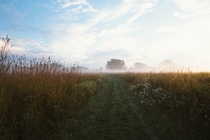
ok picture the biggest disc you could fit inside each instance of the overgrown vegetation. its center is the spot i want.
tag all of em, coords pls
(38, 96)
(43, 99)
(180, 101)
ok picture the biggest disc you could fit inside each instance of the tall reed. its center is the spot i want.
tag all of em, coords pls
(37, 96)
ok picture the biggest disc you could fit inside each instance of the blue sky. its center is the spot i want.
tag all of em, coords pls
(92, 32)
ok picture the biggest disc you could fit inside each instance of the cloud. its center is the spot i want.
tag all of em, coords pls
(192, 8)
(81, 5)
(187, 42)
(131, 8)
(80, 42)
(34, 48)
(141, 9)
(118, 38)
(121, 10)
(113, 32)
(67, 10)
(166, 3)
(110, 14)
(114, 43)
(72, 41)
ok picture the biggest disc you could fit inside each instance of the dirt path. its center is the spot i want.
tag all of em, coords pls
(111, 115)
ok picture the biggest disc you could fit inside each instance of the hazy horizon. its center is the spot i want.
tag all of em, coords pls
(92, 32)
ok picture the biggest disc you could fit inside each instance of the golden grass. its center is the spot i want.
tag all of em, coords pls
(37, 96)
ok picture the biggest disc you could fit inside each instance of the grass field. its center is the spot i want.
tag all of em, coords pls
(42, 99)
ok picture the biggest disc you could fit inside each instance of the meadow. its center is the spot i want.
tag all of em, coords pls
(40, 98)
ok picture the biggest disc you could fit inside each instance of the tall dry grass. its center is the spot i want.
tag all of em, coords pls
(37, 96)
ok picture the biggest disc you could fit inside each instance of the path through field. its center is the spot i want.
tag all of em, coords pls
(111, 115)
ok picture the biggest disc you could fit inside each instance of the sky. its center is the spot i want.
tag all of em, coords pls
(91, 32)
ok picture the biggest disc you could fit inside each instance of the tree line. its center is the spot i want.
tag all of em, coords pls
(118, 64)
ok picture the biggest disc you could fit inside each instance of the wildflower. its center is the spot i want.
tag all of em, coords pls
(147, 85)
(132, 87)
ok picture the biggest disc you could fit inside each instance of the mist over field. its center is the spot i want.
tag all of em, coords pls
(111, 69)
(44, 99)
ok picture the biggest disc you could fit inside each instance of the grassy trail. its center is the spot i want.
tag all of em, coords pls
(110, 115)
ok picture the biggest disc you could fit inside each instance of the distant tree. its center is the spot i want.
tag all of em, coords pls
(81, 68)
(167, 64)
(115, 64)
(140, 66)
